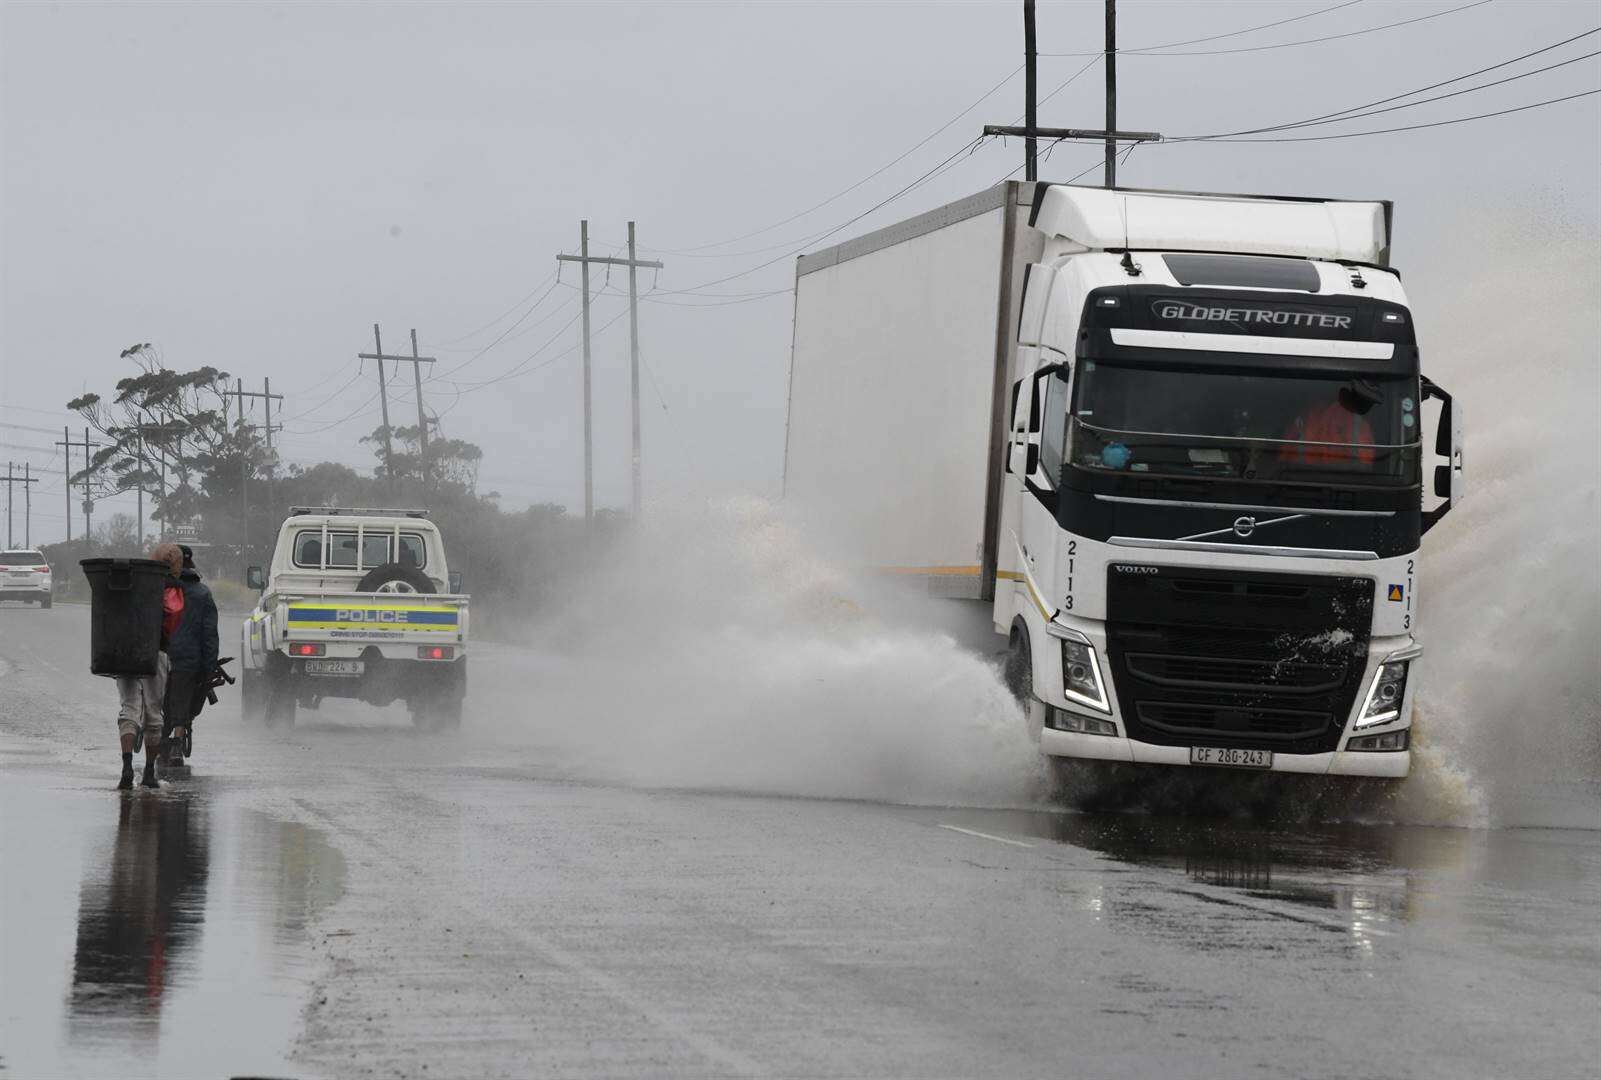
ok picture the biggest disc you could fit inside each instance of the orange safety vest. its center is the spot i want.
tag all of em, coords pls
(1331, 423)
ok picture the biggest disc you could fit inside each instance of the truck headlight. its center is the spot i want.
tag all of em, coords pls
(1384, 696)
(1081, 676)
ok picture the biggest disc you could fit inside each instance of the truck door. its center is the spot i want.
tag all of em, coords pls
(1037, 469)
(1448, 478)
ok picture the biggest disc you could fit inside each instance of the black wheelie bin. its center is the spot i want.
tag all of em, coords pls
(124, 614)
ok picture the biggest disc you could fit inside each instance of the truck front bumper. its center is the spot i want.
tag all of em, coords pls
(1394, 764)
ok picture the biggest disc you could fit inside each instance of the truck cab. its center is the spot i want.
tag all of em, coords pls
(357, 603)
(1215, 484)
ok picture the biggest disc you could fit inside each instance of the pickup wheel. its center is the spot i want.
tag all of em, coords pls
(252, 695)
(278, 698)
(436, 712)
(395, 578)
(440, 708)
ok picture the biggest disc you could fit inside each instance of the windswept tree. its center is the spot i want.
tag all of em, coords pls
(451, 464)
(168, 433)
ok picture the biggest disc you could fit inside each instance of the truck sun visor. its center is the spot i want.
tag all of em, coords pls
(1243, 271)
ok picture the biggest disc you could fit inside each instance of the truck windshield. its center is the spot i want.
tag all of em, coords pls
(1320, 428)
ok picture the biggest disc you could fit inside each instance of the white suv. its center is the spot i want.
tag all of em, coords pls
(24, 575)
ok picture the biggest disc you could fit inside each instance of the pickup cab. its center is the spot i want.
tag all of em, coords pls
(361, 604)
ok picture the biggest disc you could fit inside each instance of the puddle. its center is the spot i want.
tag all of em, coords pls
(153, 933)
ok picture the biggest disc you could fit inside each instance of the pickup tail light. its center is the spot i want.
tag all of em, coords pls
(436, 652)
(307, 648)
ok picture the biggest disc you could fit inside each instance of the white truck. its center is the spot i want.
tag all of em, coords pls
(1170, 444)
(357, 603)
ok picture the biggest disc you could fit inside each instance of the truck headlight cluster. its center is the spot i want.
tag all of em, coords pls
(1081, 676)
(1389, 740)
(1062, 720)
(1384, 696)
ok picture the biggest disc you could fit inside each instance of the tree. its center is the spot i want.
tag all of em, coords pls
(119, 534)
(166, 432)
(452, 463)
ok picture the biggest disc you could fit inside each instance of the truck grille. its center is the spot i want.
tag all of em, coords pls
(1250, 660)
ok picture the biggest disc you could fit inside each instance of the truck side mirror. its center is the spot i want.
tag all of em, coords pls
(255, 578)
(455, 581)
(1448, 478)
(1019, 445)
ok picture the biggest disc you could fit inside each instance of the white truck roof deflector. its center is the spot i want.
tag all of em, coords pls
(1102, 219)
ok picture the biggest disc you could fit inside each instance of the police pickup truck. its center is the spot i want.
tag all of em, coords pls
(357, 603)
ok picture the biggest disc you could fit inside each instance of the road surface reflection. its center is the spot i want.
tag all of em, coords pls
(140, 917)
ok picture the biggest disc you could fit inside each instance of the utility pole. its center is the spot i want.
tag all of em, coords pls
(383, 402)
(633, 264)
(268, 397)
(67, 445)
(1030, 118)
(1111, 91)
(1109, 134)
(12, 480)
(633, 368)
(416, 363)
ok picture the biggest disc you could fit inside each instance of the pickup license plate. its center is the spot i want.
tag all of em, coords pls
(1237, 759)
(335, 667)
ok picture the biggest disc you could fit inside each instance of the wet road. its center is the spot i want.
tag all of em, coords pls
(354, 899)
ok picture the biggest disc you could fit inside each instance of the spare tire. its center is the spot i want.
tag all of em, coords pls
(395, 578)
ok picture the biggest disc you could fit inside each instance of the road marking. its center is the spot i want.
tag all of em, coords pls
(663, 1014)
(985, 835)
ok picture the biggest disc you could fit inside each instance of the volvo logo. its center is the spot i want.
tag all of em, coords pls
(1244, 526)
(1123, 568)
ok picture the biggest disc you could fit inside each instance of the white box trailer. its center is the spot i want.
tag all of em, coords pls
(898, 384)
(1109, 414)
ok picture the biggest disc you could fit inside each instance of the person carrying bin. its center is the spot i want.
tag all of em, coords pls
(140, 714)
(192, 657)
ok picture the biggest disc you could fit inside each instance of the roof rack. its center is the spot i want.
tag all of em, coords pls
(358, 511)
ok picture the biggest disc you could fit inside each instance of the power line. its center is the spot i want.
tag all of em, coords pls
(870, 176)
(1355, 110)
(1413, 127)
(929, 175)
(1289, 44)
(507, 335)
(496, 319)
(321, 427)
(728, 302)
(1437, 97)
(1229, 34)
(317, 407)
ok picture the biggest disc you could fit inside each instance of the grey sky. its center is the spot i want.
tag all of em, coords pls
(254, 185)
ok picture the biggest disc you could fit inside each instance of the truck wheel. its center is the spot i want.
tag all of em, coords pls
(395, 578)
(1019, 676)
(1019, 671)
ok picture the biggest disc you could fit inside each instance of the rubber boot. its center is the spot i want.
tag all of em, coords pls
(150, 780)
(126, 783)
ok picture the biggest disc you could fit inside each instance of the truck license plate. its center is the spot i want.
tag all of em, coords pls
(1238, 759)
(335, 667)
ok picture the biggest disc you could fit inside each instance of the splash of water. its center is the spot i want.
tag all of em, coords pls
(715, 651)
(1509, 725)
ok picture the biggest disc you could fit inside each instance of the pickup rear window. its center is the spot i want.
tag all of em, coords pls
(341, 553)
